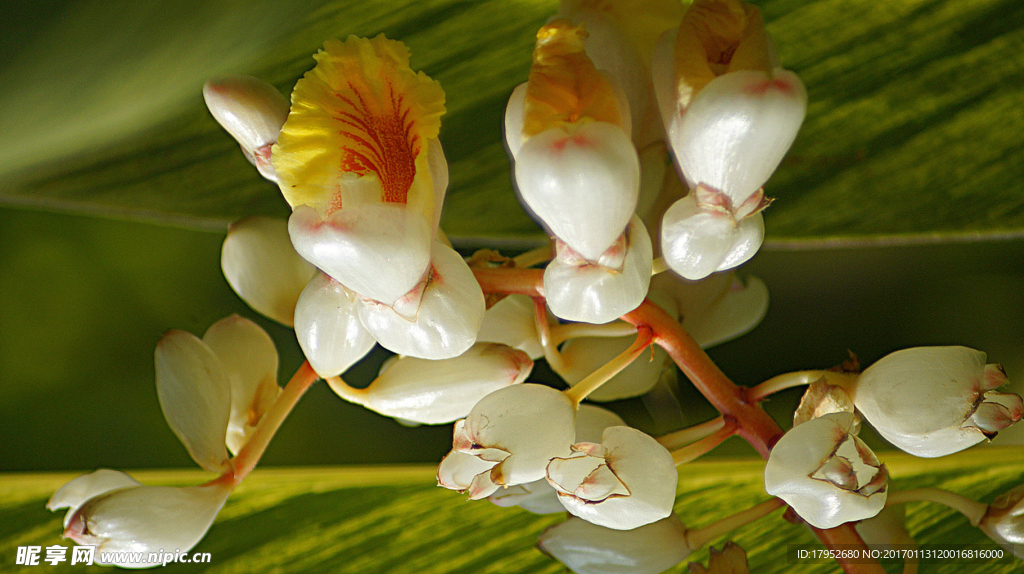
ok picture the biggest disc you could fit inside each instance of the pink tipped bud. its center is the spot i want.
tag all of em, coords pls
(252, 111)
(934, 401)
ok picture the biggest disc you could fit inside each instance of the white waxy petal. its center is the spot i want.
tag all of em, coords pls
(252, 111)
(328, 328)
(886, 529)
(582, 184)
(263, 268)
(580, 291)
(441, 391)
(1003, 521)
(638, 463)
(827, 475)
(717, 308)
(663, 77)
(439, 175)
(511, 322)
(533, 423)
(147, 519)
(466, 473)
(697, 242)
(250, 360)
(447, 319)
(920, 399)
(584, 355)
(380, 251)
(538, 496)
(586, 548)
(195, 396)
(74, 494)
(738, 128)
(514, 120)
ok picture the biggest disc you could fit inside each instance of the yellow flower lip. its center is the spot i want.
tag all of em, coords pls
(717, 37)
(564, 87)
(360, 124)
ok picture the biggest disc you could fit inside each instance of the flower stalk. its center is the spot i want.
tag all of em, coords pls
(753, 423)
(588, 385)
(697, 537)
(972, 509)
(705, 445)
(250, 455)
(796, 379)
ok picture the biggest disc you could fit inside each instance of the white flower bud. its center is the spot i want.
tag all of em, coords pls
(737, 129)
(514, 120)
(508, 439)
(584, 355)
(886, 529)
(582, 184)
(625, 482)
(607, 45)
(438, 321)
(263, 268)
(328, 328)
(252, 111)
(441, 391)
(578, 289)
(699, 239)
(717, 308)
(1004, 521)
(75, 493)
(379, 250)
(250, 360)
(586, 548)
(195, 395)
(147, 519)
(538, 496)
(934, 401)
(511, 322)
(827, 475)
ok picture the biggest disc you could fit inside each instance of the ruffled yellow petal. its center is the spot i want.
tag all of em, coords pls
(564, 87)
(716, 37)
(358, 130)
(641, 20)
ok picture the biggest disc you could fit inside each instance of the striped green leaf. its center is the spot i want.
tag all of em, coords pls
(393, 520)
(913, 131)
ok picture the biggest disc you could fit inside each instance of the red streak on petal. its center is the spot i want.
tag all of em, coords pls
(762, 87)
(380, 138)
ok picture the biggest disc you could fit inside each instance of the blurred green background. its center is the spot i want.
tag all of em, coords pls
(898, 221)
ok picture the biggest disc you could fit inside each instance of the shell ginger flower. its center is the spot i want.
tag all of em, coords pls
(360, 152)
(625, 482)
(934, 401)
(508, 439)
(568, 130)
(826, 474)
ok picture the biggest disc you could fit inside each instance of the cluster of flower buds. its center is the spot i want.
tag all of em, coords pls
(928, 401)
(614, 88)
(730, 114)
(213, 392)
(358, 159)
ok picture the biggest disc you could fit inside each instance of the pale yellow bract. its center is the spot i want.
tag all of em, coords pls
(564, 87)
(358, 131)
(717, 37)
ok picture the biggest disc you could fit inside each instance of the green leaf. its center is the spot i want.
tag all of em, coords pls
(394, 520)
(913, 131)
